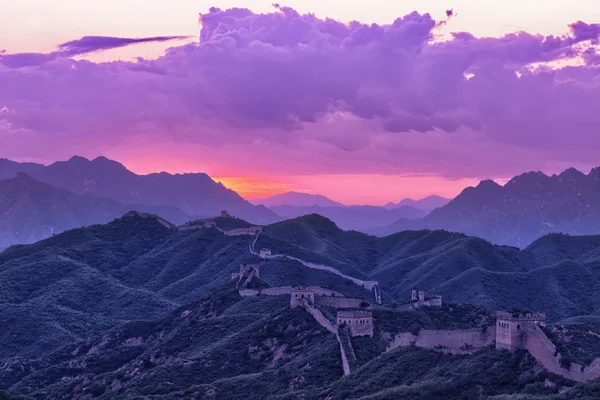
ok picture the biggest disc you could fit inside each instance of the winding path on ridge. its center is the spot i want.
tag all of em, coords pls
(369, 285)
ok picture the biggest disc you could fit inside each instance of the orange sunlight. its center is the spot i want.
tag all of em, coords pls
(254, 188)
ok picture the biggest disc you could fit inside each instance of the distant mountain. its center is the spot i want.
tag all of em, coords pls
(31, 210)
(295, 199)
(427, 203)
(527, 207)
(75, 284)
(194, 193)
(358, 218)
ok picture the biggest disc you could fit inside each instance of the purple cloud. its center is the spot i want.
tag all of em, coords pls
(85, 45)
(300, 92)
(90, 44)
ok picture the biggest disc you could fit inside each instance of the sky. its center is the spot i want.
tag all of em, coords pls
(363, 102)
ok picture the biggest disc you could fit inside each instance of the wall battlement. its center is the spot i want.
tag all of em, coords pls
(509, 316)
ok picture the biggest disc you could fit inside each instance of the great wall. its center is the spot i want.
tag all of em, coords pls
(354, 317)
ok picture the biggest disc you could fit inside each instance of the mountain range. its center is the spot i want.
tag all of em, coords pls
(349, 217)
(427, 203)
(31, 210)
(195, 194)
(297, 199)
(527, 207)
(86, 280)
(358, 218)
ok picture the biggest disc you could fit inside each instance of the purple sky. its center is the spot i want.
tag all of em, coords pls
(362, 113)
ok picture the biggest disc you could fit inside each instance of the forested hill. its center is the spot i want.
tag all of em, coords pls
(75, 284)
(229, 347)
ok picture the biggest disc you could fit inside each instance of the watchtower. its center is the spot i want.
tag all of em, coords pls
(358, 322)
(299, 296)
(264, 253)
(510, 326)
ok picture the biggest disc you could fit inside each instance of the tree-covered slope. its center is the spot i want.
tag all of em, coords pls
(228, 347)
(83, 281)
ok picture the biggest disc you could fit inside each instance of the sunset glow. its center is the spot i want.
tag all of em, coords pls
(310, 101)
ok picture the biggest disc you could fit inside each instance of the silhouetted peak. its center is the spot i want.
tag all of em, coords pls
(571, 173)
(488, 184)
(107, 163)
(78, 160)
(595, 173)
(528, 178)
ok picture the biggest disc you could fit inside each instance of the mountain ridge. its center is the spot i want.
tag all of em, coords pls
(31, 210)
(196, 194)
(527, 207)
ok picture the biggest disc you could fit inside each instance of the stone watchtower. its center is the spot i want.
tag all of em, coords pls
(510, 328)
(358, 322)
(299, 296)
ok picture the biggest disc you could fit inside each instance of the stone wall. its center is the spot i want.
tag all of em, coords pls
(286, 290)
(320, 318)
(339, 302)
(544, 351)
(463, 340)
(253, 230)
(346, 350)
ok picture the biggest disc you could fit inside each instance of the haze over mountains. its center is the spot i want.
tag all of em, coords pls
(527, 207)
(427, 203)
(297, 199)
(31, 210)
(349, 217)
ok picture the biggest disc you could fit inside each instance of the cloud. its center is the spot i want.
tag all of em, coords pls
(306, 95)
(90, 44)
(85, 45)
